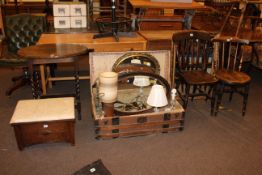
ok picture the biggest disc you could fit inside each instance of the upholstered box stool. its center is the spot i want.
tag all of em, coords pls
(44, 121)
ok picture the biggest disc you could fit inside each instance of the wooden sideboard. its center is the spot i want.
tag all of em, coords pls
(167, 22)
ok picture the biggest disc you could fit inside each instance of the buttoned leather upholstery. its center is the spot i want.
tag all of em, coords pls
(21, 30)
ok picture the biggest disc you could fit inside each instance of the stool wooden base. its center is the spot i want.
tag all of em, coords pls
(44, 121)
(44, 132)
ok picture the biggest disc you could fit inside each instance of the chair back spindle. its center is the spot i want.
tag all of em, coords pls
(230, 54)
(192, 50)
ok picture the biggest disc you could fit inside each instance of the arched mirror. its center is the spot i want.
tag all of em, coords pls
(135, 59)
(133, 91)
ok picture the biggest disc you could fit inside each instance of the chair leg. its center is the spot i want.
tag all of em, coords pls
(177, 84)
(182, 84)
(194, 91)
(219, 97)
(17, 78)
(213, 98)
(185, 99)
(231, 96)
(245, 98)
(186, 96)
(19, 81)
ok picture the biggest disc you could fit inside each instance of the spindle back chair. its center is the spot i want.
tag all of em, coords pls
(192, 57)
(228, 55)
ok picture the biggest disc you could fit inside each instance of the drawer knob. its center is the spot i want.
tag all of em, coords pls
(45, 126)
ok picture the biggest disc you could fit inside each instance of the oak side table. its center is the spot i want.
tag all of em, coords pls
(44, 54)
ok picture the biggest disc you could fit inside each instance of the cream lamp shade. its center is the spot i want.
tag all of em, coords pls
(157, 96)
(141, 81)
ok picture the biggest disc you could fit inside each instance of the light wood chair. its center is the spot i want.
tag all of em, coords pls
(228, 56)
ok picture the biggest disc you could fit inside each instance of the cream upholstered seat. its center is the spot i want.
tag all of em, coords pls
(39, 110)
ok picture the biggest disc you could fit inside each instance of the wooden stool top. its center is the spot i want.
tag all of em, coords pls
(51, 109)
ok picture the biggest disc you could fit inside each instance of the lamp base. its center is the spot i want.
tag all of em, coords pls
(156, 109)
(108, 109)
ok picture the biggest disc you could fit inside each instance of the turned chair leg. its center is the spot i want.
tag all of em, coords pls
(194, 91)
(219, 97)
(213, 99)
(231, 96)
(245, 98)
(19, 81)
(22, 82)
(186, 96)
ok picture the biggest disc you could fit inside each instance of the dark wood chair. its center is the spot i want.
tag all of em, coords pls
(193, 56)
(228, 56)
(21, 30)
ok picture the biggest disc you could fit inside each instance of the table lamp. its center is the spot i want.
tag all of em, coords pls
(157, 97)
(140, 81)
(114, 31)
(173, 98)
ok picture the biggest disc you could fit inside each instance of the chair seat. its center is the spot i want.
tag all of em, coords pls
(232, 77)
(198, 77)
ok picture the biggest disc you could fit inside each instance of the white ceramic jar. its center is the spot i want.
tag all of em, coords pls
(108, 86)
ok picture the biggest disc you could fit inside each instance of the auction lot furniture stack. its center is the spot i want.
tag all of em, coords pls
(70, 15)
(128, 125)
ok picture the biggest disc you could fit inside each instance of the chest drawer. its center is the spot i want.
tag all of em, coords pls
(161, 22)
(45, 132)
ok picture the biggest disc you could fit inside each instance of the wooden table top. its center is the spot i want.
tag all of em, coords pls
(252, 36)
(99, 44)
(52, 51)
(173, 5)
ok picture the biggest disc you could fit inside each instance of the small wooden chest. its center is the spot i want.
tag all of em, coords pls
(44, 121)
(158, 40)
(129, 125)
